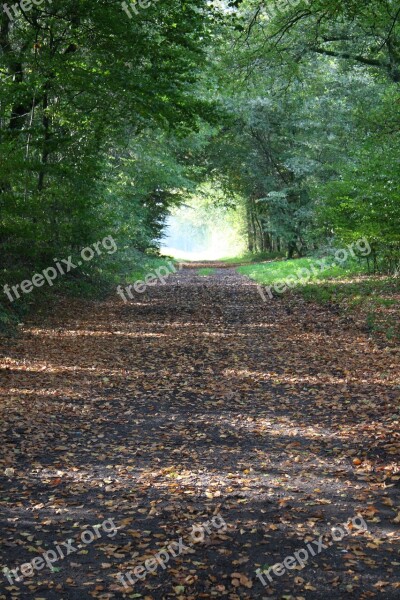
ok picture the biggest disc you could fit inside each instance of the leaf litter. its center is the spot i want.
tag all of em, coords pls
(198, 399)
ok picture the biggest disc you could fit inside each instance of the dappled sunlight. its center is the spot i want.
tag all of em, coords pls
(38, 367)
(308, 379)
(68, 392)
(86, 333)
(163, 415)
(200, 301)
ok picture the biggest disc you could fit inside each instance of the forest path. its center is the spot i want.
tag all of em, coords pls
(197, 402)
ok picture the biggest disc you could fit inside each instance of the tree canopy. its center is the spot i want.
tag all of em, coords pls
(109, 120)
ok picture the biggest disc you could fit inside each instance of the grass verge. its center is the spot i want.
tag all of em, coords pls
(249, 257)
(373, 300)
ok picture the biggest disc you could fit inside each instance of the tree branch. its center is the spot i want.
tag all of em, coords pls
(356, 57)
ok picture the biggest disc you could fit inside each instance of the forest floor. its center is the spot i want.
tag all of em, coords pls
(198, 402)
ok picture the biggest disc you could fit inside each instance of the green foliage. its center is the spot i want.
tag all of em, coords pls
(364, 200)
(92, 107)
(279, 122)
(252, 257)
(314, 157)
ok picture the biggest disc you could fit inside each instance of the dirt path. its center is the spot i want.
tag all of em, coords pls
(194, 403)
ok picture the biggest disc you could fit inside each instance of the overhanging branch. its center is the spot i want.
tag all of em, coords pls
(356, 57)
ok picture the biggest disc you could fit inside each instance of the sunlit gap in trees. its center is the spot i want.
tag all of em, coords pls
(203, 232)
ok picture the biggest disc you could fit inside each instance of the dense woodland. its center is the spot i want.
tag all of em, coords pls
(220, 427)
(290, 111)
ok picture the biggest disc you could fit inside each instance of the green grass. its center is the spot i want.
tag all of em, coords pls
(374, 297)
(205, 272)
(356, 290)
(272, 273)
(250, 257)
